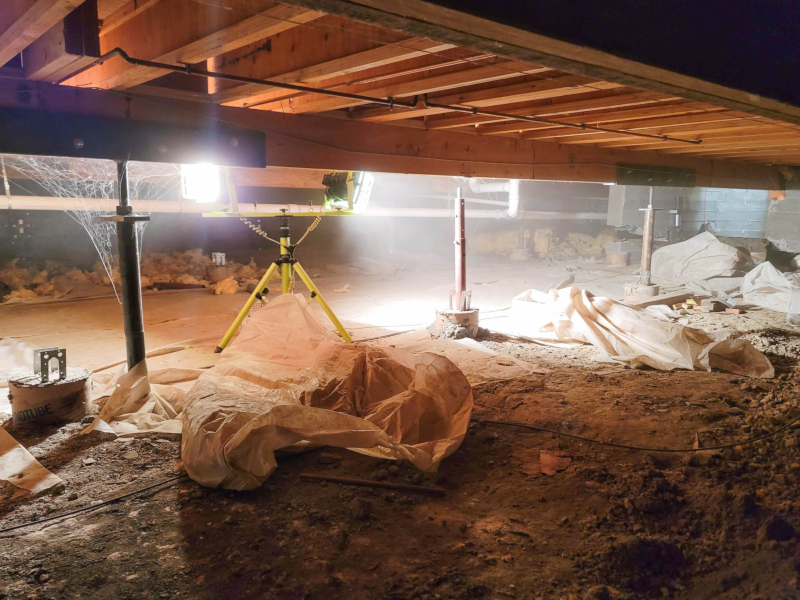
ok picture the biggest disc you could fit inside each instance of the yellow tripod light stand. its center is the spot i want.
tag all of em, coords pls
(286, 263)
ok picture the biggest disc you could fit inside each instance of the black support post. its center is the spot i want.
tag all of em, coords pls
(129, 273)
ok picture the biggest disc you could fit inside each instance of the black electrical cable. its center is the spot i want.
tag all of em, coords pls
(94, 506)
(745, 442)
(390, 102)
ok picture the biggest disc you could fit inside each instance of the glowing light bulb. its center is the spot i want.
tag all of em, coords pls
(200, 183)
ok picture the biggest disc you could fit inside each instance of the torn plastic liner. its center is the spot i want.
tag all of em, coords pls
(626, 334)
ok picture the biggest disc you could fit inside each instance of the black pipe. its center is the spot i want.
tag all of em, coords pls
(390, 102)
(129, 274)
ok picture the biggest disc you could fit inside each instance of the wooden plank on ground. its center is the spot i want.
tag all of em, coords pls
(668, 298)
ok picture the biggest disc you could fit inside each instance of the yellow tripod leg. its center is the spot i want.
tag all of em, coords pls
(286, 268)
(246, 308)
(310, 285)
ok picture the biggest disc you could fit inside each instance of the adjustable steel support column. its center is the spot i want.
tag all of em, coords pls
(460, 320)
(647, 239)
(129, 273)
(459, 302)
(645, 287)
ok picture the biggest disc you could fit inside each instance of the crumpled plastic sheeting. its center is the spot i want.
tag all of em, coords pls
(19, 468)
(767, 287)
(700, 257)
(627, 334)
(285, 381)
(717, 287)
(139, 402)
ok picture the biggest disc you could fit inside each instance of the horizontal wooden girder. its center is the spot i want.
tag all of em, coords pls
(317, 142)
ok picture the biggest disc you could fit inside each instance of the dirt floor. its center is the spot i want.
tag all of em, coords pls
(608, 523)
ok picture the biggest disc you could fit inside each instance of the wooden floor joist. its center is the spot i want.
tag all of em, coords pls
(162, 34)
(24, 21)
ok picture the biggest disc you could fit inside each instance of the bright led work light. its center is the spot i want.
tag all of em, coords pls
(348, 190)
(200, 183)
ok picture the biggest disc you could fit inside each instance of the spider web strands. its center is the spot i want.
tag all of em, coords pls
(87, 190)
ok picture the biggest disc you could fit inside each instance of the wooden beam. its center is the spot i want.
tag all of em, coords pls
(66, 47)
(317, 103)
(496, 97)
(552, 108)
(251, 94)
(633, 118)
(417, 17)
(317, 142)
(790, 141)
(737, 130)
(125, 13)
(105, 8)
(186, 32)
(24, 21)
(280, 177)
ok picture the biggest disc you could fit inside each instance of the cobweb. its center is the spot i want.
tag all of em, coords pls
(87, 190)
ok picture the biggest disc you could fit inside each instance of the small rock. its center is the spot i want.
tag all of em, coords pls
(393, 470)
(44, 578)
(598, 592)
(72, 496)
(361, 509)
(776, 529)
(382, 474)
(88, 461)
(416, 478)
(746, 504)
(328, 458)
(131, 455)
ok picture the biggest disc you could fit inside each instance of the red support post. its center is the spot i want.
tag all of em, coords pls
(461, 252)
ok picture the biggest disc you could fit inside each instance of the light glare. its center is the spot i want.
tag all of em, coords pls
(200, 183)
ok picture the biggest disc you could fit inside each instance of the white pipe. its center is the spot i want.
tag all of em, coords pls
(513, 198)
(171, 206)
(510, 187)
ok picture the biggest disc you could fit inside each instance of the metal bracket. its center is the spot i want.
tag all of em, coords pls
(126, 218)
(43, 367)
(466, 300)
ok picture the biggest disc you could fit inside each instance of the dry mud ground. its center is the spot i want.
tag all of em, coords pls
(614, 523)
